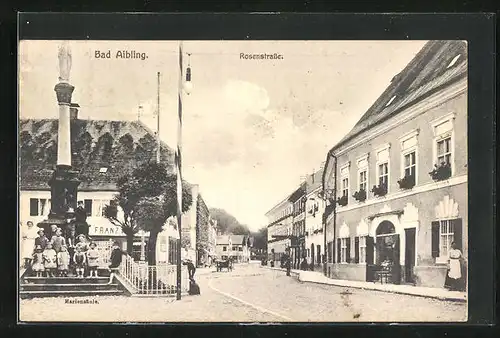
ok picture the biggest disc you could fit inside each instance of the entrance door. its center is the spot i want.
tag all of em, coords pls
(409, 254)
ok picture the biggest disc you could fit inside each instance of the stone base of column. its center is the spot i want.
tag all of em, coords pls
(63, 183)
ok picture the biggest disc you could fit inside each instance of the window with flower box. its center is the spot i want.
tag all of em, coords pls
(443, 149)
(409, 155)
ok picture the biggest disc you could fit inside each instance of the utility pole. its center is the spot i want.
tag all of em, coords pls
(158, 149)
(178, 163)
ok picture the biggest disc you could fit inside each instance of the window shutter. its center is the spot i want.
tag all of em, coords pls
(457, 233)
(33, 206)
(356, 249)
(369, 250)
(88, 207)
(348, 255)
(333, 251)
(339, 245)
(435, 239)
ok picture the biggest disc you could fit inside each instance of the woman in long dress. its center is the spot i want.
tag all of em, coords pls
(29, 233)
(454, 268)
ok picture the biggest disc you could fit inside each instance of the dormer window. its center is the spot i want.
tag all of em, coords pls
(103, 170)
(390, 101)
(455, 59)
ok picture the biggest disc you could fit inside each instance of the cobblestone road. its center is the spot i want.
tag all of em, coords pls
(251, 294)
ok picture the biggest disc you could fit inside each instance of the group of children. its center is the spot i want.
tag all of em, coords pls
(52, 257)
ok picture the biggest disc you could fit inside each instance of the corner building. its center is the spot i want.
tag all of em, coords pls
(393, 210)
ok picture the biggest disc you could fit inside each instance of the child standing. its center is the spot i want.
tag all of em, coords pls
(63, 261)
(58, 241)
(116, 260)
(37, 265)
(49, 260)
(80, 259)
(93, 259)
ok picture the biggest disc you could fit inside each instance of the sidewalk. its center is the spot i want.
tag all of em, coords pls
(317, 277)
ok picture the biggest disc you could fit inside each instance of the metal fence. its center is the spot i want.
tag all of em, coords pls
(153, 279)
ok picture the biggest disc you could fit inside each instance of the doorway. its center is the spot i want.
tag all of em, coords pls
(409, 255)
(387, 244)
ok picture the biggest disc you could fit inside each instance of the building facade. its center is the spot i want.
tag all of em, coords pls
(315, 207)
(233, 246)
(279, 230)
(206, 230)
(401, 176)
(298, 240)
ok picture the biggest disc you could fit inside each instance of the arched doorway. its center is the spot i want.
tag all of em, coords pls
(387, 250)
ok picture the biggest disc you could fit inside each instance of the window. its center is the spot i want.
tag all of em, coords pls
(390, 101)
(224, 248)
(235, 248)
(343, 250)
(383, 174)
(362, 249)
(98, 207)
(240, 248)
(345, 186)
(446, 236)
(452, 63)
(410, 164)
(362, 180)
(444, 150)
(39, 206)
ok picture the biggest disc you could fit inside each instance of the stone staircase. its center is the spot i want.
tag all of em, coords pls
(71, 286)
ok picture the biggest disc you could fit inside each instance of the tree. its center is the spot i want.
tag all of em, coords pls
(147, 195)
(227, 223)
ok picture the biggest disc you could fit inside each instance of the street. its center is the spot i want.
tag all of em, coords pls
(251, 293)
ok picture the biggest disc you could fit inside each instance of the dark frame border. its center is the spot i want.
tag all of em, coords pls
(477, 29)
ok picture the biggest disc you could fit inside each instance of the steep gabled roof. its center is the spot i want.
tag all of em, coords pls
(426, 73)
(115, 145)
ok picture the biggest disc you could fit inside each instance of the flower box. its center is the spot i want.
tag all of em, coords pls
(360, 195)
(441, 172)
(379, 190)
(342, 201)
(407, 182)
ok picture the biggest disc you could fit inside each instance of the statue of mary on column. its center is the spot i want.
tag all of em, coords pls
(64, 61)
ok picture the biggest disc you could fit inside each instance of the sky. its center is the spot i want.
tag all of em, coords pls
(252, 129)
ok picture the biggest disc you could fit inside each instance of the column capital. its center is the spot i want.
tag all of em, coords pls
(64, 91)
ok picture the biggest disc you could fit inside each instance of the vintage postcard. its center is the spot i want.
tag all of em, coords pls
(243, 181)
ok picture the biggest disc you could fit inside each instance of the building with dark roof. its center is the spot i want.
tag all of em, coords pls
(102, 150)
(399, 177)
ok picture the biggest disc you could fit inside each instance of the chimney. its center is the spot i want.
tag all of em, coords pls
(73, 111)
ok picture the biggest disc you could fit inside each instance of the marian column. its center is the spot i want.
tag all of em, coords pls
(63, 182)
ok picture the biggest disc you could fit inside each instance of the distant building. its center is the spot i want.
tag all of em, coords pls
(315, 206)
(234, 246)
(280, 227)
(206, 233)
(394, 207)
(298, 240)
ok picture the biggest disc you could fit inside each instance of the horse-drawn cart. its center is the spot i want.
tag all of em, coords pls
(224, 264)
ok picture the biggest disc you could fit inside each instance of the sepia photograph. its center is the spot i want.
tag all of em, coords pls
(250, 181)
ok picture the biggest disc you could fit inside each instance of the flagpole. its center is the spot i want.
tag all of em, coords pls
(158, 150)
(178, 163)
